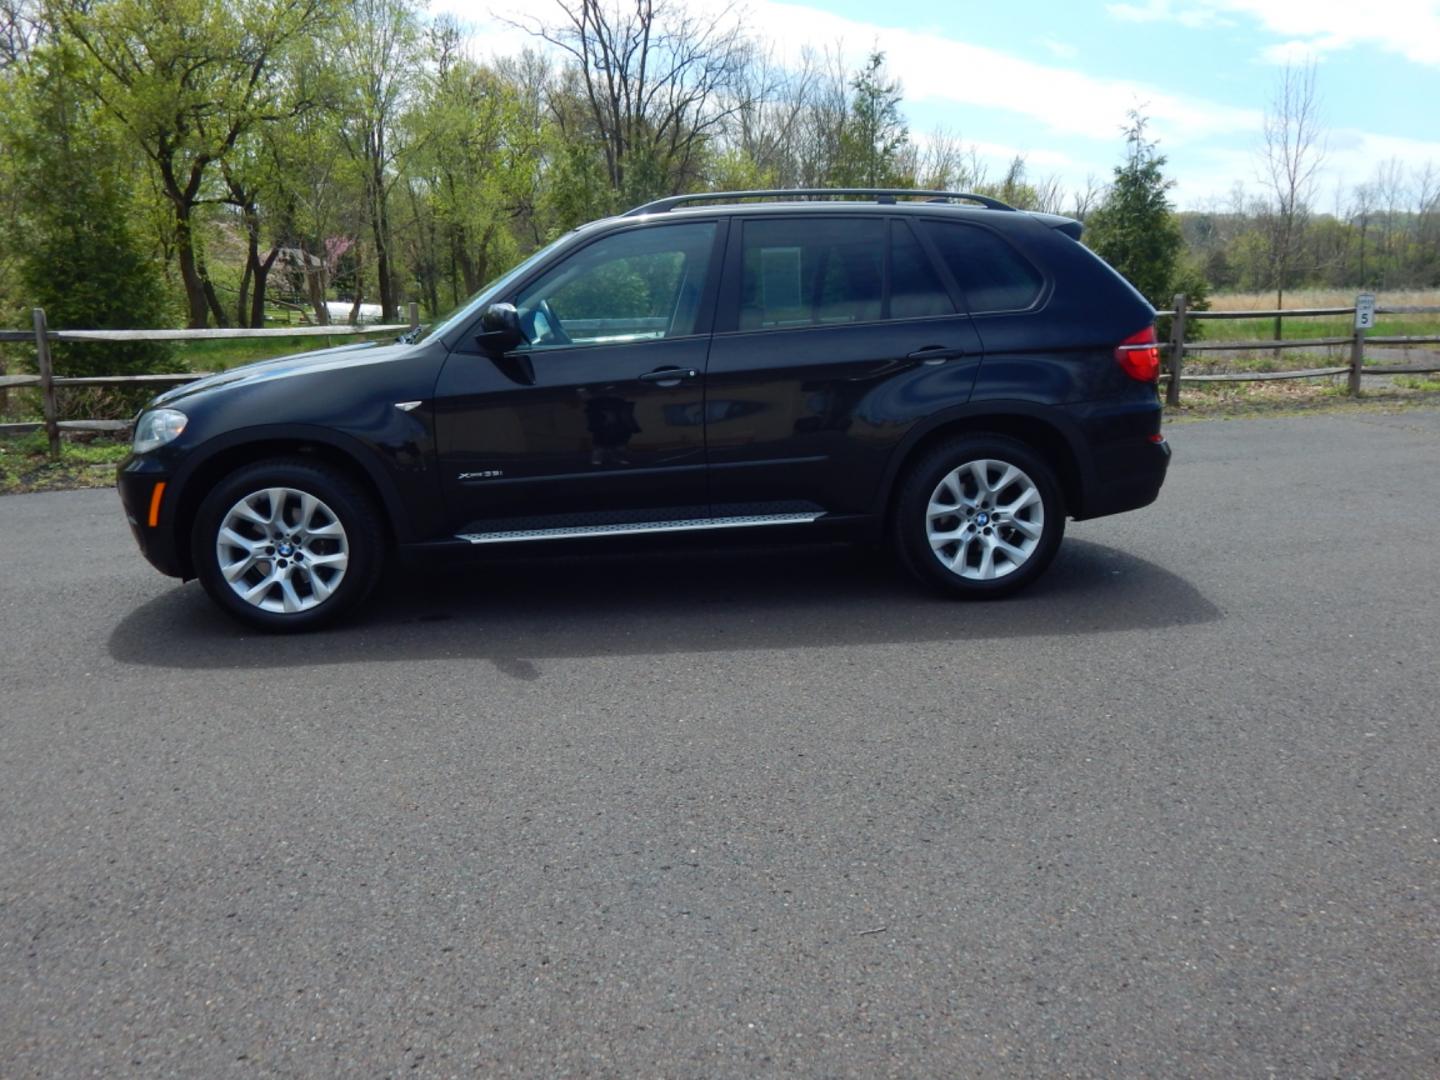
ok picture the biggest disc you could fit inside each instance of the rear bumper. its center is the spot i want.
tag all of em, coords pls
(136, 479)
(1128, 457)
(1132, 486)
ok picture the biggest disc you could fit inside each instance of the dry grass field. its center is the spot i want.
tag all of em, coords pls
(1322, 298)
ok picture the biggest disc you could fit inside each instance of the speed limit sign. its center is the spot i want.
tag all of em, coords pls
(1364, 311)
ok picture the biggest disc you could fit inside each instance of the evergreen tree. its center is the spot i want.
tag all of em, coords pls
(81, 260)
(875, 133)
(1135, 228)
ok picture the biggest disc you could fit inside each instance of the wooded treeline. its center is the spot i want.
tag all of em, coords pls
(190, 161)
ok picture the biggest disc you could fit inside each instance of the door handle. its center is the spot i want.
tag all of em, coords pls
(935, 354)
(670, 376)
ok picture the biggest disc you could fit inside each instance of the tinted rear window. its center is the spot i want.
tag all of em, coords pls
(916, 291)
(811, 273)
(992, 274)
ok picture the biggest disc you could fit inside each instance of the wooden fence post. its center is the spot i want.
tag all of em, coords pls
(1177, 350)
(414, 315)
(1357, 353)
(47, 382)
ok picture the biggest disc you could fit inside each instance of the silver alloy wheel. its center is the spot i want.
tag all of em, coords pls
(282, 550)
(985, 519)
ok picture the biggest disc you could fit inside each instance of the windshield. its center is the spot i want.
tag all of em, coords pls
(471, 307)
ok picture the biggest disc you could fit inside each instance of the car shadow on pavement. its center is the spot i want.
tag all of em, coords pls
(516, 611)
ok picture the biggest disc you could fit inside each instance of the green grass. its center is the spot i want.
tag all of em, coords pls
(1317, 326)
(25, 464)
(1428, 384)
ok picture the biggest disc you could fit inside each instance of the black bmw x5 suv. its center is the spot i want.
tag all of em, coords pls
(888, 364)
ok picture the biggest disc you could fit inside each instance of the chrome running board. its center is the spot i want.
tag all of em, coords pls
(635, 528)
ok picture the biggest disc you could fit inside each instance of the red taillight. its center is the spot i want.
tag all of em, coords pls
(1139, 355)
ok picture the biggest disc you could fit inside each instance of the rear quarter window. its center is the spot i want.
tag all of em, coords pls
(992, 274)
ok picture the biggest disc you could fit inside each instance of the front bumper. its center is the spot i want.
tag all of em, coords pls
(151, 515)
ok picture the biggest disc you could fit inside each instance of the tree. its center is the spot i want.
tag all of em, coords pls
(1135, 228)
(477, 172)
(1292, 151)
(942, 162)
(80, 259)
(654, 84)
(875, 134)
(379, 47)
(187, 79)
(763, 143)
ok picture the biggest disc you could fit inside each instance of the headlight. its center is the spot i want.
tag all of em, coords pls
(156, 428)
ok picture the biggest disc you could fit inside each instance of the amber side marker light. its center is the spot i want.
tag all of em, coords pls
(155, 497)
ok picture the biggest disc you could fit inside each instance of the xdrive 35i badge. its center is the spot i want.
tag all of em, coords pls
(483, 474)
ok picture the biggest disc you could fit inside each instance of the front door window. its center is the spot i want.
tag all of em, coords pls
(641, 285)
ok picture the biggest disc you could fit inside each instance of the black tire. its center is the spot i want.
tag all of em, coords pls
(361, 542)
(973, 525)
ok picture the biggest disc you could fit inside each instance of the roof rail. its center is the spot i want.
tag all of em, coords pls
(880, 195)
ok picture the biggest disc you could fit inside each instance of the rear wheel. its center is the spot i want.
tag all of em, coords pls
(287, 544)
(979, 516)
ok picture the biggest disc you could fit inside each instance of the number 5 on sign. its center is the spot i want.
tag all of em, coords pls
(1365, 311)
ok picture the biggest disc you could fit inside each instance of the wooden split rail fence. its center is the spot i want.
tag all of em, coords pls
(1176, 348)
(49, 382)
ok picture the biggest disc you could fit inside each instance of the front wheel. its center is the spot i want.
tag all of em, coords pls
(287, 544)
(980, 516)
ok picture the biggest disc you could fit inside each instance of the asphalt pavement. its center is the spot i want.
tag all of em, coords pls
(750, 812)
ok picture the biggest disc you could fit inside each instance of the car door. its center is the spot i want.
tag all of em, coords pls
(835, 332)
(598, 418)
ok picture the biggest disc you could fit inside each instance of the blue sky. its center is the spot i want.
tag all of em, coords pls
(1053, 80)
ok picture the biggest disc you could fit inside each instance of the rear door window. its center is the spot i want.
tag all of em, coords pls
(821, 272)
(992, 274)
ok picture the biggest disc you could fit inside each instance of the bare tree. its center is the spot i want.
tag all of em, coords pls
(1427, 221)
(1292, 152)
(1362, 210)
(767, 129)
(821, 126)
(1049, 195)
(658, 81)
(21, 26)
(1390, 186)
(1087, 198)
(941, 161)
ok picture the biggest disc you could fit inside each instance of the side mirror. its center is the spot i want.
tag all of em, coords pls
(499, 329)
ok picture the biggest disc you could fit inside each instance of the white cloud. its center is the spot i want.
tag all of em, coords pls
(1192, 15)
(1154, 11)
(936, 68)
(1296, 52)
(1210, 145)
(1354, 156)
(1410, 28)
(1036, 160)
(1063, 49)
(939, 69)
(1208, 174)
